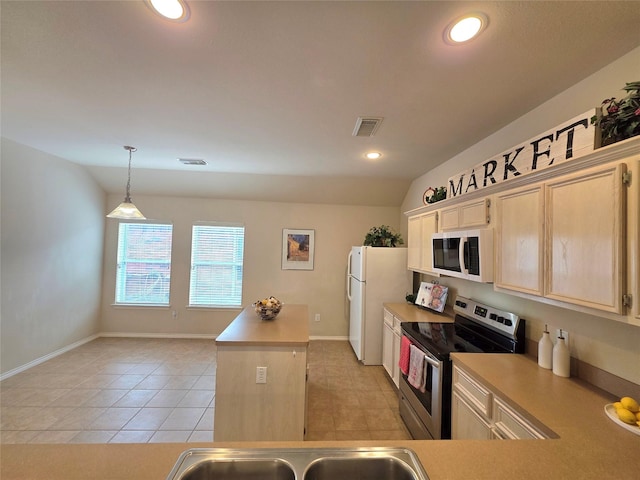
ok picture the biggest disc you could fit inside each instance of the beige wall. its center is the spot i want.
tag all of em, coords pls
(337, 228)
(51, 251)
(607, 344)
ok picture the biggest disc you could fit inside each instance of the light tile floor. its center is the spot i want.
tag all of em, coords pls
(132, 390)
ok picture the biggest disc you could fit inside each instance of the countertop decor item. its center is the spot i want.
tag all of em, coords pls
(610, 410)
(561, 357)
(268, 308)
(382, 236)
(545, 350)
(619, 119)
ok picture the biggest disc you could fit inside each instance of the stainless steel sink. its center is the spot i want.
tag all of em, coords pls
(362, 468)
(298, 464)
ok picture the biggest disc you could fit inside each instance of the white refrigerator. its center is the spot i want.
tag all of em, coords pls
(375, 275)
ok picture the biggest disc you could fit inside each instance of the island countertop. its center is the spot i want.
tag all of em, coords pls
(289, 328)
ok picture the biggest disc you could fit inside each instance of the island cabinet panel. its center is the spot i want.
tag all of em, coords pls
(419, 251)
(271, 411)
(519, 241)
(270, 406)
(584, 238)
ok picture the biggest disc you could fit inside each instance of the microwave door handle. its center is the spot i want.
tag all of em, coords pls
(461, 257)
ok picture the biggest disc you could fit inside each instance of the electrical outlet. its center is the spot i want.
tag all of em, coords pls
(174, 314)
(565, 334)
(317, 318)
(261, 374)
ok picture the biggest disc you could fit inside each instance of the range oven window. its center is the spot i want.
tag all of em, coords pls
(445, 254)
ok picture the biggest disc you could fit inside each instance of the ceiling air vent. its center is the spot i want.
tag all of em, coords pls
(192, 161)
(367, 126)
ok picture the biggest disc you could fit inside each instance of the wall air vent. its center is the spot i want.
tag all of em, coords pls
(192, 161)
(367, 126)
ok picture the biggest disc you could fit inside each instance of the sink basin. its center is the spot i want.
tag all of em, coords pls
(239, 469)
(298, 464)
(362, 468)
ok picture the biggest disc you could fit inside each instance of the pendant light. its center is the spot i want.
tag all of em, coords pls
(127, 210)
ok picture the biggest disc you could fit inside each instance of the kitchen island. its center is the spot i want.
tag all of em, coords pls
(261, 377)
(590, 446)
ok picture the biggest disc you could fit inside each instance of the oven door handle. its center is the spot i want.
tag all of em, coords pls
(431, 361)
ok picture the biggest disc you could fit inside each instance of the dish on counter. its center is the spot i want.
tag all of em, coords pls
(610, 410)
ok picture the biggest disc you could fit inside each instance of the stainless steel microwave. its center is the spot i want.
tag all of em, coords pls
(464, 254)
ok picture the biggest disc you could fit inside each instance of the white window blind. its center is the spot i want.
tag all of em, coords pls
(144, 263)
(217, 254)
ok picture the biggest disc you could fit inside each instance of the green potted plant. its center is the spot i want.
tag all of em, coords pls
(382, 236)
(619, 119)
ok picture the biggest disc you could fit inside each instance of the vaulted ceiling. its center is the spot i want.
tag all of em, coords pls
(268, 93)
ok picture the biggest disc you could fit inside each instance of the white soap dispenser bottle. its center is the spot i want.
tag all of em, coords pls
(545, 350)
(561, 357)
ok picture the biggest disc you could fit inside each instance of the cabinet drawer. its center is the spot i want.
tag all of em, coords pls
(396, 325)
(511, 425)
(473, 392)
(388, 318)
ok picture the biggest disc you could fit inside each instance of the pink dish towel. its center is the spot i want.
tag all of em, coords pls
(416, 368)
(405, 351)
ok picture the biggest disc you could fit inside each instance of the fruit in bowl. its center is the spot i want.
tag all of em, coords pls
(268, 308)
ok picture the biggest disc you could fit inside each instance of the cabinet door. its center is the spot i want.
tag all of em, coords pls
(396, 359)
(520, 240)
(429, 225)
(474, 214)
(414, 243)
(468, 215)
(584, 238)
(466, 423)
(510, 425)
(450, 218)
(387, 349)
(420, 230)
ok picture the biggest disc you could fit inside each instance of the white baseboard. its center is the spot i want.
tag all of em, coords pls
(322, 337)
(159, 335)
(49, 356)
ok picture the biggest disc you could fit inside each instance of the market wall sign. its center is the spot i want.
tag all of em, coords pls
(569, 141)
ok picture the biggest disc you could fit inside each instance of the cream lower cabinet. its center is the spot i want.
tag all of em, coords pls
(391, 346)
(419, 250)
(564, 239)
(477, 413)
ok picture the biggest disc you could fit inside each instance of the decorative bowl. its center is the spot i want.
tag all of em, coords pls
(268, 308)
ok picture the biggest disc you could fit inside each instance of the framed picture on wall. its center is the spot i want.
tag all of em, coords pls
(297, 249)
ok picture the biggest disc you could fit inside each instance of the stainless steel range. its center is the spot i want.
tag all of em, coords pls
(425, 402)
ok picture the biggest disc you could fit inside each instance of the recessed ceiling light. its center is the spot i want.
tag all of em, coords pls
(175, 10)
(465, 28)
(373, 155)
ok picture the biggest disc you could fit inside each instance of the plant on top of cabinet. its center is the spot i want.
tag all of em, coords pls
(620, 119)
(382, 236)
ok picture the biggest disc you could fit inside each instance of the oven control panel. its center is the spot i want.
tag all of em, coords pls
(505, 322)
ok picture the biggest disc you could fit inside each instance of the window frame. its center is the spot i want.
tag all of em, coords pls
(192, 264)
(119, 262)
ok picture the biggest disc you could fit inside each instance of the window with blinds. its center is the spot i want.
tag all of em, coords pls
(217, 254)
(143, 272)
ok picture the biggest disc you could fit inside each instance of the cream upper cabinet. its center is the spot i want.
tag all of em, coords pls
(466, 215)
(420, 229)
(519, 240)
(584, 238)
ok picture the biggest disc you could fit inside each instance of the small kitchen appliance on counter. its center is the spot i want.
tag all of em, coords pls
(425, 406)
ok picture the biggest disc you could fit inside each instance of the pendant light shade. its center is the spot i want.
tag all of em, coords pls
(127, 210)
